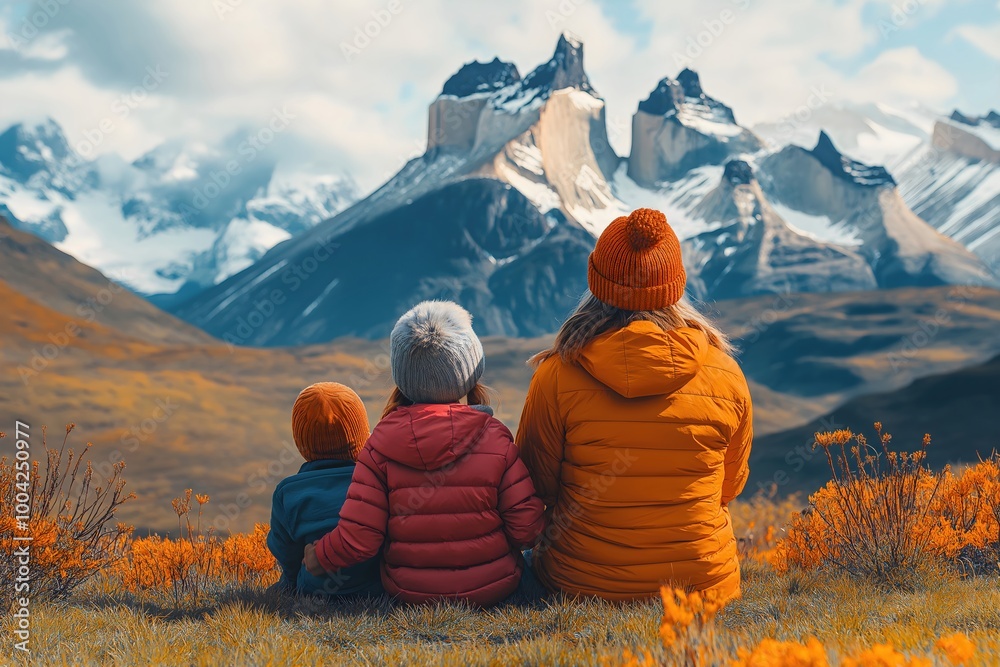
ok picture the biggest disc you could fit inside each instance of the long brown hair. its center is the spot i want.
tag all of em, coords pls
(593, 317)
(480, 395)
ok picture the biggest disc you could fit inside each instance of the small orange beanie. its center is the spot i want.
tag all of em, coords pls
(636, 264)
(329, 421)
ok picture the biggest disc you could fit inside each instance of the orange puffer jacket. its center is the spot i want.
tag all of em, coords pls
(636, 451)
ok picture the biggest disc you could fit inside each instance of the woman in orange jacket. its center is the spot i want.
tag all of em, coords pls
(637, 429)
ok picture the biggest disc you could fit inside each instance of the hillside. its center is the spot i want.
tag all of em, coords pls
(214, 417)
(834, 346)
(81, 294)
(958, 409)
(199, 415)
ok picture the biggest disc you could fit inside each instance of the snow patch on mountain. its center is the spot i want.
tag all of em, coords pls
(152, 224)
(871, 133)
(818, 227)
(707, 120)
(676, 199)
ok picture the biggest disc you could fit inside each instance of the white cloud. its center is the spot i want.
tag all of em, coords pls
(985, 38)
(903, 75)
(368, 114)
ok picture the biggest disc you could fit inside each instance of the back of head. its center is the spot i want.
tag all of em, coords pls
(329, 421)
(635, 273)
(436, 356)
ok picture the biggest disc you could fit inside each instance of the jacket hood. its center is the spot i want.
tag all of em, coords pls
(429, 436)
(643, 360)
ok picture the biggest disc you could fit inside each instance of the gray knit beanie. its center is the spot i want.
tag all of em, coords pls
(436, 357)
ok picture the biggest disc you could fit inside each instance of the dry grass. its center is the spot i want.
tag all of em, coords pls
(241, 624)
(227, 433)
(252, 627)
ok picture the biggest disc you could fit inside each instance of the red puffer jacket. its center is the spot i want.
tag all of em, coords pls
(443, 487)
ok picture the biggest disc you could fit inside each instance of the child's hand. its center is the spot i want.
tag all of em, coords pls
(311, 562)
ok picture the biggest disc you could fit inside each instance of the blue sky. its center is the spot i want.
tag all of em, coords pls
(231, 63)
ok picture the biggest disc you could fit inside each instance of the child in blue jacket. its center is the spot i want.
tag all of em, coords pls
(329, 426)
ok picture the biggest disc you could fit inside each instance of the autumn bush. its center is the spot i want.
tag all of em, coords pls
(195, 593)
(886, 515)
(194, 565)
(758, 521)
(70, 532)
(965, 517)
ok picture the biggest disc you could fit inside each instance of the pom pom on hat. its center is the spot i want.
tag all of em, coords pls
(436, 356)
(636, 264)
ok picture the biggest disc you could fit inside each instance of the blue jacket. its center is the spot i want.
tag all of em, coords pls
(305, 507)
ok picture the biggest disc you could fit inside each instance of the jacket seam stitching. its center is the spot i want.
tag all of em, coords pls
(625, 360)
(414, 434)
(606, 390)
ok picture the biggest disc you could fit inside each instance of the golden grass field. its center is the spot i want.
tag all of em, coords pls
(187, 412)
(202, 415)
(891, 564)
(242, 624)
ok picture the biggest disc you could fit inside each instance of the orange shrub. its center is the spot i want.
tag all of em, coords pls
(966, 511)
(884, 514)
(195, 564)
(956, 648)
(759, 521)
(774, 653)
(70, 521)
(884, 655)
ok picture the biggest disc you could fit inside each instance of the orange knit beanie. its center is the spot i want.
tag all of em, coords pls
(636, 264)
(329, 421)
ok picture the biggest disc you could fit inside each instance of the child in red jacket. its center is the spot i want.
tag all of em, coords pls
(439, 487)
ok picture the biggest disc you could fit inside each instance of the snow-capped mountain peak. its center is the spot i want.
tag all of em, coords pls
(678, 127)
(738, 172)
(476, 78)
(162, 221)
(563, 70)
(843, 167)
(27, 148)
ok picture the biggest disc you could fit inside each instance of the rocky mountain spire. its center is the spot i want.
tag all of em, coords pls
(690, 83)
(563, 70)
(476, 77)
(846, 168)
(737, 172)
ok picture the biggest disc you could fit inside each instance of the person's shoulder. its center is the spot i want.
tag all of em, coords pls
(498, 430)
(281, 489)
(320, 479)
(728, 371)
(548, 371)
